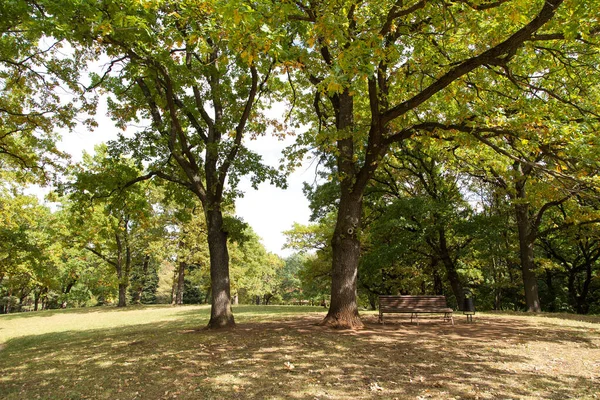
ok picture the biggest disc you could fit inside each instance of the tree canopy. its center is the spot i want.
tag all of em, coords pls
(457, 144)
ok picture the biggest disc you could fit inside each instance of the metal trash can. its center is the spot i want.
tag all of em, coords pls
(468, 305)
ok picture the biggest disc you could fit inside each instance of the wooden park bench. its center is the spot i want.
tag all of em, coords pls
(415, 305)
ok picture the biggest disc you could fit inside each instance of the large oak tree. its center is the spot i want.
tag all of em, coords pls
(383, 72)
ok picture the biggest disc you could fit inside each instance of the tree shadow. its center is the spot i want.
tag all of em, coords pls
(297, 359)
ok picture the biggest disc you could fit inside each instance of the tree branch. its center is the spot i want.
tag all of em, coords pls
(499, 54)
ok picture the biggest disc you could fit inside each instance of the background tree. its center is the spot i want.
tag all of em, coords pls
(115, 224)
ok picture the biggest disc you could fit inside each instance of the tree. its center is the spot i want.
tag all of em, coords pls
(417, 206)
(313, 243)
(255, 272)
(115, 225)
(23, 243)
(39, 92)
(384, 72)
(290, 287)
(192, 69)
(576, 250)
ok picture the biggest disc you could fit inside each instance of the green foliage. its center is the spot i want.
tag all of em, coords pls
(254, 271)
(39, 92)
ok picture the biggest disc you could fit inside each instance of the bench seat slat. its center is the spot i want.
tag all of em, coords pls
(415, 305)
(417, 310)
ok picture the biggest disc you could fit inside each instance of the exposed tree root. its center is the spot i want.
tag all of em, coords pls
(342, 321)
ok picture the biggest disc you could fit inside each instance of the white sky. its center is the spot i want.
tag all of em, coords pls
(269, 210)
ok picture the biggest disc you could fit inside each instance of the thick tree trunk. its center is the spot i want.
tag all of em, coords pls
(122, 295)
(526, 243)
(527, 237)
(343, 310)
(454, 279)
(220, 312)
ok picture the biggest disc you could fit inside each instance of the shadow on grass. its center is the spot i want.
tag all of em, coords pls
(293, 358)
(594, 319)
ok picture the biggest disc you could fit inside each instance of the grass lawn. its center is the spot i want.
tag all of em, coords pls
(159, 352)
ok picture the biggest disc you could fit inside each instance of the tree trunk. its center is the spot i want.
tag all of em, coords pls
(451, 273)
(343, 310)
(220, 312)
(180, 283)
(122, 272)
(583, 306)
(373, 297)
(527, 237)
(526, 242)
(174, 286)
(551, 291)
(122, 295)
(36, 299)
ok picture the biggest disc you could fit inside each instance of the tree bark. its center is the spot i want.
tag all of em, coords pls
(526, 242)
(343, 310)
(451, 273)
(220, 312)
(122, 295)
(527, 237)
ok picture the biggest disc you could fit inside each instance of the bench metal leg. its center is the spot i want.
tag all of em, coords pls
(380, 317)
(416, 316)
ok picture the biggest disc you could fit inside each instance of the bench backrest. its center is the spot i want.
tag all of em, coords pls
(394, 302)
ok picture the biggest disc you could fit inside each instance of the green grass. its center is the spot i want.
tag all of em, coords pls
(161, 352)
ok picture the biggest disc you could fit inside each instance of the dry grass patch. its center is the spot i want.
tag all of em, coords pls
(281, 353)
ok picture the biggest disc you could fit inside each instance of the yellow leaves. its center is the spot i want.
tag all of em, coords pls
(247, 56)
(237, 17)
(105, 28)
(334, 87)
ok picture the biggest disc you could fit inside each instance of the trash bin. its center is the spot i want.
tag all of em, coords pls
(468, 305)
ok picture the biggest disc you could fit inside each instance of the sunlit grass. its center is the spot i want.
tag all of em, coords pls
(161, 352)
